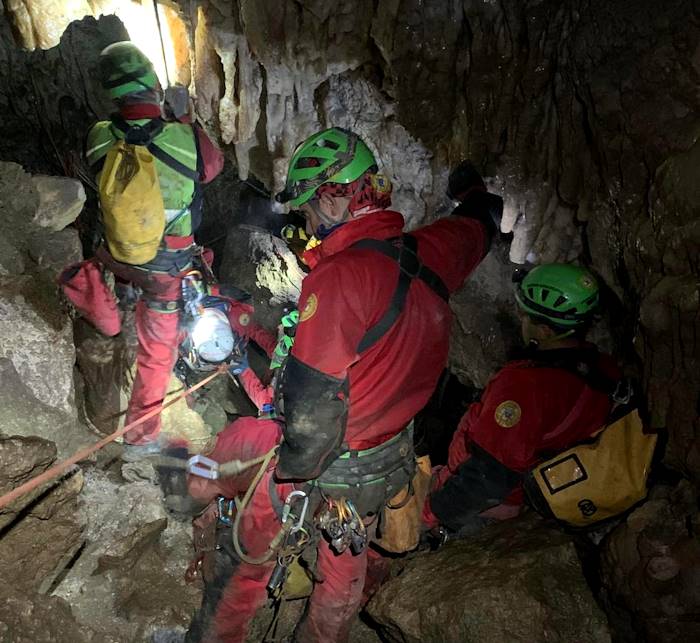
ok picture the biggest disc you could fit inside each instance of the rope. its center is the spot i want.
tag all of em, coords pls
(162, 43)
(241, 507)
(56, 470)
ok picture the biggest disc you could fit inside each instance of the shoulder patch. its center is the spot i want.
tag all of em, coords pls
(507, 414)
(244, 319)
(310, 308)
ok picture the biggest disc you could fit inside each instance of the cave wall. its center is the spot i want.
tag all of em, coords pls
(582, 113)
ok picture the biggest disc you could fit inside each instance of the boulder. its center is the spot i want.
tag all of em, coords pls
(60, 201)
(19, 202)
(650, 568)
(34, 618)
(41, 531)
(128, 581)
(519, 580)
(52, 252)
(103, 364)
(11, 259)
(37, 337)
(24, 415)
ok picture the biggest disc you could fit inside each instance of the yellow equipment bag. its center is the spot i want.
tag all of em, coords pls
(401, 520)
(596, 480)
(131, 203)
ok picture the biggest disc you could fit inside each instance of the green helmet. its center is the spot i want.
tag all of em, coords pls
(335, 155)
(563, 294)
(124, 69)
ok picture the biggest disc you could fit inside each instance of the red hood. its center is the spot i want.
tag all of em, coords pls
(379, 225)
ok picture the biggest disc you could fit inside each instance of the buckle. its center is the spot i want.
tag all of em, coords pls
(199, 465)
(623, 392)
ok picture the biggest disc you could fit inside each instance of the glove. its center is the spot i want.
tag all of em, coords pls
(240, 365)
(463, 180)
(466, 186)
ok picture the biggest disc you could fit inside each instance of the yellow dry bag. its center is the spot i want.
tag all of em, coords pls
(598, 479)
(131, 203)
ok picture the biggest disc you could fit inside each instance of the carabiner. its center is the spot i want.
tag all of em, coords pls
(287, 509)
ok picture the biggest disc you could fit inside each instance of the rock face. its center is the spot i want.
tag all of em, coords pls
(518, 581)
(40, 531)
(37, 337)
(60, 201)
(651, 568)
(128, 584)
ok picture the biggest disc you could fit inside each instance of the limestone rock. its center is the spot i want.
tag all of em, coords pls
(38, 541)
(651, 568)
(19, 202)
(102, 362)
(60, 201)
(35, 618)
(519, 580)
(22, 459)
(24, 415)
(38, 338)
(124, 552)
(11, 259)
(128, 582)
(53, 252)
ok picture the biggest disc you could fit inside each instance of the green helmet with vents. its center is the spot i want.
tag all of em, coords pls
(335, 155)
(562, 294)
(124, 69)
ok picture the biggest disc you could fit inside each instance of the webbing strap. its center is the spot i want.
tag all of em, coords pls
(410, 267)
(145, 134)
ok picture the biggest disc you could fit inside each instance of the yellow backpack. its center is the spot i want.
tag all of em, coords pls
(131, 203)
(598, 479)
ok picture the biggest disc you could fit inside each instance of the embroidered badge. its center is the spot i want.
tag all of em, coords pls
(244, 319)
(507, 414)
(310, 308)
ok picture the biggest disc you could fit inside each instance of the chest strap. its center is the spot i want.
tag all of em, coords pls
(410, 268)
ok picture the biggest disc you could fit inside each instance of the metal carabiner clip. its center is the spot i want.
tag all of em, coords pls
(287, 509)
(209, 468)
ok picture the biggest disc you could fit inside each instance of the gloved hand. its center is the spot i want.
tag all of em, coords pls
(466, 186)
(432, 539)
(463, 180)
(239, 365)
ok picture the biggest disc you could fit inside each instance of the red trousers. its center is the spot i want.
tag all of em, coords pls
(335, 600)
(158, 337)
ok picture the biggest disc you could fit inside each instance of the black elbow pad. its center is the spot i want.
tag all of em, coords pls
(315, 418)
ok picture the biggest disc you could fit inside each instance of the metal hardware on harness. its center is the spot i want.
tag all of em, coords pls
(286, 510)
(225, 508)
(343, 526)
(209, 468)
(623, 392)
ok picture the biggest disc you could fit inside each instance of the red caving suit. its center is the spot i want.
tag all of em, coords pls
(530, 409)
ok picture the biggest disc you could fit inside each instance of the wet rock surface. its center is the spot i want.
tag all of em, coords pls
(651, 568)
(520, 580)
(40, 532)
(128, 583)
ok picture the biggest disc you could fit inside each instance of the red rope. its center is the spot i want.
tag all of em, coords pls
(57, 469)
